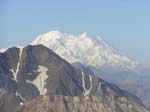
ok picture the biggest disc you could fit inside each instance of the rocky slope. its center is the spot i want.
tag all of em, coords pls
(33, 71)
(81, 104)
(139, 89)
(9, 102)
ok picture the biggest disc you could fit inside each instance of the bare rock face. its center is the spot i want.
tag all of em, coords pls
(9, 102)
(44, 82)
(81, 104)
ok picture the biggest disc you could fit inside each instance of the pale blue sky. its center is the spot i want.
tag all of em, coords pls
(124, 23)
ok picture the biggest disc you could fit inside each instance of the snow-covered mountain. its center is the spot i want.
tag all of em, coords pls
(90, 51)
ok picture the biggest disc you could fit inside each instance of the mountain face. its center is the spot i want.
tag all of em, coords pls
(94, 55)
(90, 51)
(38, 80)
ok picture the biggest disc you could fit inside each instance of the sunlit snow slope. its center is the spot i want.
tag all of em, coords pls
(90, 51)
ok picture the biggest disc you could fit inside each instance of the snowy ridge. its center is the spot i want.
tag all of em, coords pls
(2, 50)
(90, 51)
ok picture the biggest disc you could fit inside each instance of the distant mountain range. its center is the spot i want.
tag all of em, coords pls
(96, 56)
(35, 79)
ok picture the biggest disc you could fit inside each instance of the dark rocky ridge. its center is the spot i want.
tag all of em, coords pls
(39, 71)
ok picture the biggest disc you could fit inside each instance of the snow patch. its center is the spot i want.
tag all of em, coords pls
(19, 95)
(2, 90)
(99, 85)
(29, 73)
(21, 103)
(3, 50)
(15, 72)
(86, 91)
(40, 80)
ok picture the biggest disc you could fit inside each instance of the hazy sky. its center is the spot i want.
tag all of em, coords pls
(123, 23)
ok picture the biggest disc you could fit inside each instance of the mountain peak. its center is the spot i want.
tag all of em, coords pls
(85, 34)
(56, 32)
(99, 38)
(53, 35)
(2, 50)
